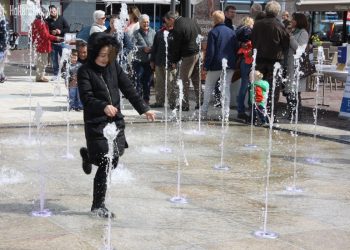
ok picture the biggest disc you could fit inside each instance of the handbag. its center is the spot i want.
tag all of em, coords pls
(307, 68)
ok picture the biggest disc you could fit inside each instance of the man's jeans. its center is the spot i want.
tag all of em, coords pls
(56, 50)
(143, 75)
(245, 70)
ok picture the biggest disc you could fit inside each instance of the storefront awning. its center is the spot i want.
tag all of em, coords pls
(323, 5)
(139, 1)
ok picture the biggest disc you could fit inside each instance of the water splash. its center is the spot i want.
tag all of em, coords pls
(66, 58)
(10, 176)
(251, 144)
(178, 198)
(320, 61)
(224, 117)
(121, 175)
(37, 121)
(33, 9)
(264, 233)
(110, 132)
(199, 40)
(295, 88)
(166, 149)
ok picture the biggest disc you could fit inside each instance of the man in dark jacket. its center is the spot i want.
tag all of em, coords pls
(99, 82)
(271, 39)
(230, 12)
(159, 57)
(58, 26)
(186, 49)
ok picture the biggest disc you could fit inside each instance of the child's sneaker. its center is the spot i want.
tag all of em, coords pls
(102, 212)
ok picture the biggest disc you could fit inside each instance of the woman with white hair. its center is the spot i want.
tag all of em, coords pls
(99, 22)
(3, 43)
(143, 40)
(222, 43)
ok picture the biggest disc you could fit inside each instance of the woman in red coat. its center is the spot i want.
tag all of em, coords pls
(42, 41)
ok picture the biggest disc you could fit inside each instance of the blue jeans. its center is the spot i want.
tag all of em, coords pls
(143, 75)
(56, 50)
(260, 112)
(245, 70)
(74, 99)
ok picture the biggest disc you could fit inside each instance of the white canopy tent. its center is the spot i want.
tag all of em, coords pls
(327, 5)
(323, 5)
(139, 1)
(154, 2)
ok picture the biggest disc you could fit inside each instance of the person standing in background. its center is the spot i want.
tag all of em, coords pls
(271, 40)
(230, 13)
(133, 24)
(143, 39)
(222, 43)
(58, 26)
(99, 17)
(245, 61)
(158, 60)
(3, 43)
(185, 48)
(42, 38)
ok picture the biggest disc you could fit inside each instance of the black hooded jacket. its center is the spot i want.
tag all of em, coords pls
(99, 87)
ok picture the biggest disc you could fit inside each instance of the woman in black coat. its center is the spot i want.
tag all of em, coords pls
(99, 82)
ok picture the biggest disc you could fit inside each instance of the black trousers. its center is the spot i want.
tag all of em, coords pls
(100, 181)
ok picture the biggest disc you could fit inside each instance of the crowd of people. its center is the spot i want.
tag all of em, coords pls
(100, 71)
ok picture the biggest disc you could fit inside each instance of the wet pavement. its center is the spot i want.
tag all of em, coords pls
(224, 207)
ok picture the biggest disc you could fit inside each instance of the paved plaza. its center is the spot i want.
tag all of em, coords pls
(224, 207)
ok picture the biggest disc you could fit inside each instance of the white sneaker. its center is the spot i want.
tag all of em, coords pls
(54, 78)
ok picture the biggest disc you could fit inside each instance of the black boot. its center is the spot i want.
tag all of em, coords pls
(98, 207)
(86, 162)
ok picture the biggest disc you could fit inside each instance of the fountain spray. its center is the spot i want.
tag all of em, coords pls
(320, 60)
(300, 50)
(31, 15)
(37, 120)
(224, 116)
(65, 58)
(178, 198)
(110, 132)
(264, 233)
(199, 40)
(251, 144)
(165, 148)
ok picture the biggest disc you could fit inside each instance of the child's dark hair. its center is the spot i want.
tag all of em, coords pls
(74, 52)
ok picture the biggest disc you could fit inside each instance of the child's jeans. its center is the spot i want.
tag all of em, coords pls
(74, 99)
(259, 111)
